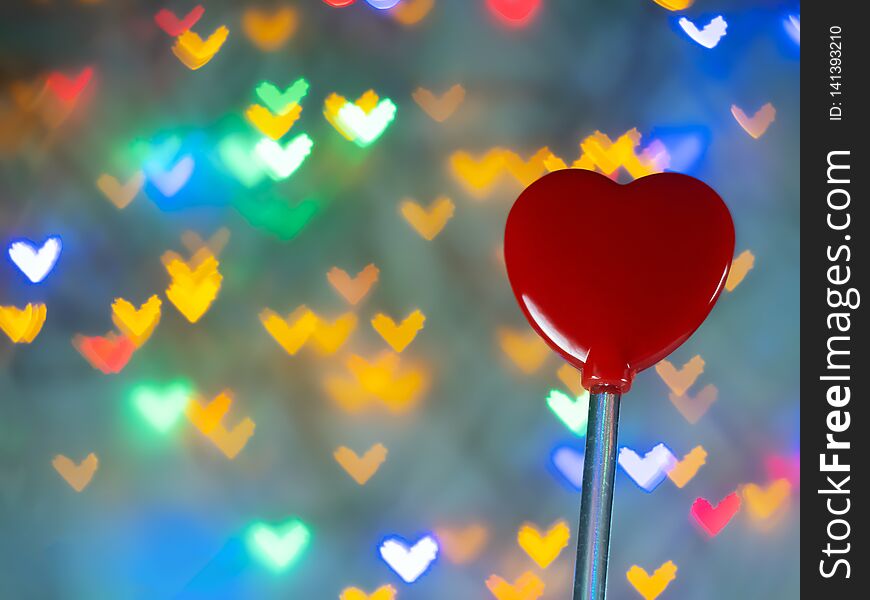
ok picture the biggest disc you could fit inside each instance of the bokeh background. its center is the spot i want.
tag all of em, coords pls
(166, 514)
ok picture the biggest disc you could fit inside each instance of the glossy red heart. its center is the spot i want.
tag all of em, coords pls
(615, 277)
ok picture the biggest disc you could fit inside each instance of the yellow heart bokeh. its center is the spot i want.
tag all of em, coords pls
(762, 503)
(544, 548)
(208, 420)
(78, 476)
(329, 337)
(528, 171)
(361, 468)
(683, 472)
(382, 379)
(353, 289)
(273, 126)
(571, 378)
(478, 175)
(270, 31)
(386, 592)
(651, 586)
(740, 266)
(694, 407)
(194, 52)
(525, 349)
(428, 222)
(293, 332)
(528, 586)
(399, 336)
(680, 380)
(462, 545)
(194, 285)
(137, 325)
(22, 325)
(439, 108)
(120, 194)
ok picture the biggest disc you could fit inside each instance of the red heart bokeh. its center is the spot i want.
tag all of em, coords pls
(109, 353)
(615, 277)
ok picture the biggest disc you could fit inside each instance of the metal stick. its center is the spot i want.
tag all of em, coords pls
(596, 499)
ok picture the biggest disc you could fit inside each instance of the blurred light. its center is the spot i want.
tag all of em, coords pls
(108, 354)
(272, 126)
(544, 548)
(763, 503)
(162, 406)
(524, 347)
(478, 175)
(686, 146)
(281, 102)
(208, 420)
(366, 127)
(568, 462)
(462, 545)
(169, 182)
(383, 4)
(279, 546)
(269, 32)
(282, 161)
(757, 124)
(793, 28)
(571, 378)
(78, 476)
(740, 266)
(172, 25)
(714, 519)
(573, 413)
(35, 263)
(515, 13)
(411, 12)
(651, 586)
(137, 325)
(527, 586)
(293, 332)
(237, 154)
(710, 35)
(683, 472)
(195, 53)
(22, 325)
(409, 562)
(647, 472)
(361, 468)
(694, 407)
(329, 337)
(192, 290)
(675, 5)
(66, 89)
(439, 108)
(353, 289)
(385, 592)
(121, 194)
(274, 214)
(399, 336)
(680, 380)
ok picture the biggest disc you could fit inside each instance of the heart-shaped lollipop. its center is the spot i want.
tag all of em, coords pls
(615, 277)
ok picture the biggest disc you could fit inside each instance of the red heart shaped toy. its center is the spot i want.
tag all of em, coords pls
(615, 277)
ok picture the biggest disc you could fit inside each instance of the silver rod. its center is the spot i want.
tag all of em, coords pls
(596, 497)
